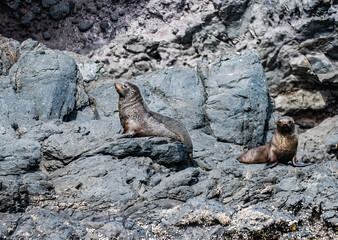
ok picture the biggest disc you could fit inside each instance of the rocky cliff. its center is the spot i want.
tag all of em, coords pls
(226, 69)
(296, 40)
(67, 173)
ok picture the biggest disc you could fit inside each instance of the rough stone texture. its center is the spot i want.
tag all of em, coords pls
(74, 176)
(48, 79)
(8, 54)
(59, 10)
(320, 143)
(237, 101)
(23, 19)
(176, 92)
(296, 40)
(299, 100)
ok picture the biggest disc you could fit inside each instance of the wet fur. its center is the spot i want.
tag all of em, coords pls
(282, 148)
(139, 121)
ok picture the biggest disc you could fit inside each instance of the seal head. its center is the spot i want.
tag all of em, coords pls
(126, 90)
(285, 125)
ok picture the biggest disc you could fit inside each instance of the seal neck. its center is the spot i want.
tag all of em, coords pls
(135, 100)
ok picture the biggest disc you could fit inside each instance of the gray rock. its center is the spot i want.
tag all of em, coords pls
(89, 140)
(18, 156)
(319, 143)
(46, 35)
(59, 11)
(177, 185)
(105, 98)
(15, 110)
(29, 16)
(104, 25)
(325, 69)
(261, 220)
(48, 3)
(9, 54)
(177, 93)
(297, 43)
(13, 4)
(48, 79)
(300, 100)
(39, 131)
(36, 11)
(135, 48)
(21, 184)
(231, 10)
(72, 177)
(313, 7)
(49, 223)
(85, 26)
(30, 45)
(237, 101)
(114, 17)
(199, 211)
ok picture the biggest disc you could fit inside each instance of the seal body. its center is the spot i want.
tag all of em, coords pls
(282, 147)
(139, 121)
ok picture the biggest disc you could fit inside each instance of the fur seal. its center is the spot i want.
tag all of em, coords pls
(282, 147)
(139, 121)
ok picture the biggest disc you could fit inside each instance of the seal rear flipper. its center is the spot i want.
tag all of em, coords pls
(301, 164)
(270, 165)
(296, 164)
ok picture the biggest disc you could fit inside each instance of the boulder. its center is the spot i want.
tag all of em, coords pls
(237, 105)
(59, 11)
(319, 143)
(48, 79)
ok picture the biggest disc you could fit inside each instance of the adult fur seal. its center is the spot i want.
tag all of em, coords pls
(139, 121)
(282, 147)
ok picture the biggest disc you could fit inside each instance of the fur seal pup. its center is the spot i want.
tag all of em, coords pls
(282, 147)
(139, 121)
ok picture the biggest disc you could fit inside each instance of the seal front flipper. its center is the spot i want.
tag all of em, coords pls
(130, 128)
(273, 160)
(128, 133)
(296, 164)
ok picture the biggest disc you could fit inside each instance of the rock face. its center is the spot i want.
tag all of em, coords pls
(230, 83)
(48, 79)
(295, 40)
(67, 173)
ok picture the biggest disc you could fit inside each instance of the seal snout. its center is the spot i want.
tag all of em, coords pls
(285, 122)
(119, 87)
